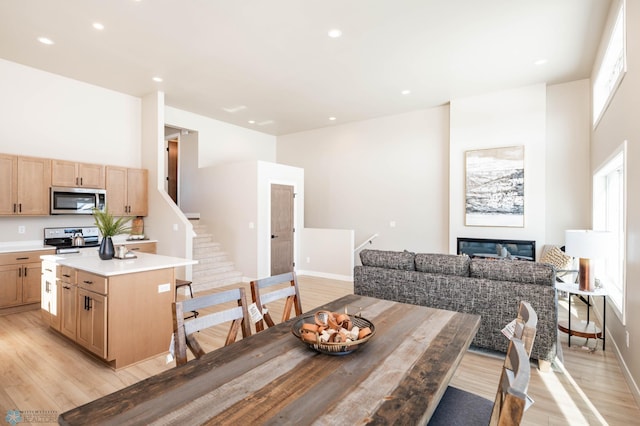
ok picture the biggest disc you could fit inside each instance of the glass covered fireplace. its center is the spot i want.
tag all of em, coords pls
(497, 249)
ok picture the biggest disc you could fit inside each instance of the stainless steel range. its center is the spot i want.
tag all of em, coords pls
(72, 239)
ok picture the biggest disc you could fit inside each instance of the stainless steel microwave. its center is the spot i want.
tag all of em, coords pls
(77, 200)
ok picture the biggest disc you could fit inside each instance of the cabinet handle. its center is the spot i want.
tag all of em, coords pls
(14, 207)
(22, 258)
(80, 181)
(66, 287)
(48, 270)
(87, 282)
(134, 248)
(20, 271)
(20, 207)
(66, 275)
(25, 271)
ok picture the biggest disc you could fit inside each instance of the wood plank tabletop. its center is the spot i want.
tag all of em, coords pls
(397, 377)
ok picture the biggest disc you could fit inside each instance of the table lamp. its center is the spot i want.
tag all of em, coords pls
(587, 245)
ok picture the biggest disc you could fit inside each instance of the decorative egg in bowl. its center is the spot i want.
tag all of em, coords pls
(333, 333)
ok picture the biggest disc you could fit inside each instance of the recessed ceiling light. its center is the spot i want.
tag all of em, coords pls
(45, 40)
(540, 62)
(406, 92)
(98, 26)
(335, 33)
(252, 121)
(332, 118)
(157, 79)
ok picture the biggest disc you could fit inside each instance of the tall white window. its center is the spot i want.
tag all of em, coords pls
(609, 207)
(612, 68)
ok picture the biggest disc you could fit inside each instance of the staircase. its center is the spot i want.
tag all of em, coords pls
(214, 269)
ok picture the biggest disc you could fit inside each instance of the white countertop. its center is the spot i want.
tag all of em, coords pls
(23, 246)
(90, 262)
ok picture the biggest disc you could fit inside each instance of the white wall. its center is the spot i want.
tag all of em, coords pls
(568, 192)
(46, 115)
(508, 118)
(619, 123)
(327, 253)
(227, 205)
(366, 174)
(237, 210)
(220, 142)
(167, 224)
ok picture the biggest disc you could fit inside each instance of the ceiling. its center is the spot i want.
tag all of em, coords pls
(273, 63)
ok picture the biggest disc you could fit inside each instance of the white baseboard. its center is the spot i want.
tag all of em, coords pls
(633, 386)
(325, 275)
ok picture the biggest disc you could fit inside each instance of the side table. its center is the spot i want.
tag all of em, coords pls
(587, 330)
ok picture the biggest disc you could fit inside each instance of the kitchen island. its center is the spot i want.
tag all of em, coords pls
(118, 309)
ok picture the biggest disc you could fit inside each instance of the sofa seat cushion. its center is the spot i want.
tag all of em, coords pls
(445, 264)
(513, 270)
(402, 260)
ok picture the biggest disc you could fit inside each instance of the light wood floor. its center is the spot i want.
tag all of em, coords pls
(42, 374)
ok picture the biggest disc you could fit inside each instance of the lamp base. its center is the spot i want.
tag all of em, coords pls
(587, 279)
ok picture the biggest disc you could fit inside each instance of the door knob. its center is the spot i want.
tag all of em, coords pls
(273, 236)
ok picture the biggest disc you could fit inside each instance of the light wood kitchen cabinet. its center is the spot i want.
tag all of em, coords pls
(20, 278)
(92, 321)
(141, 247)
(127, 193)
(68, 173)
(24, 185)
(68, 301)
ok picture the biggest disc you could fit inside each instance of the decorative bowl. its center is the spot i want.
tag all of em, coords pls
(334, 348)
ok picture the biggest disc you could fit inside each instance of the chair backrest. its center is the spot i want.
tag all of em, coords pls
(290, 293)
(184, 331)
(511, 397)
(526, 326)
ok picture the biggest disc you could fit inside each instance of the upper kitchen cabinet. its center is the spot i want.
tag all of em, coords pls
(24, 185)
(68, 173)
(127, 191)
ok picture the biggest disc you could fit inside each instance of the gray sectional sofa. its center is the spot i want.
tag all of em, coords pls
(489, 288)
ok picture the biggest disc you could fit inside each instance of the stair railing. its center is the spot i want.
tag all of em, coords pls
(367, 241)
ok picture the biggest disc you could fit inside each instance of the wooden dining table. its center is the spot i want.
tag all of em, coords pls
(271, 377)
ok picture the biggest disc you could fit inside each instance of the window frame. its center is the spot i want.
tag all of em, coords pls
(617, 294)
(604, 82)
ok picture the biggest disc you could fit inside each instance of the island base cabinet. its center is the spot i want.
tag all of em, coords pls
(140, 318)
(92, 322)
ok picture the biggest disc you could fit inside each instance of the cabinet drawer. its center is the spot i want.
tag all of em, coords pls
(142, 247)
(92, 282)
(23, 257)
(67, 274)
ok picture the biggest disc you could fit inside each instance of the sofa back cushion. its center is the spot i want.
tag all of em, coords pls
(513, 270)
(445, 264)
(403, 260)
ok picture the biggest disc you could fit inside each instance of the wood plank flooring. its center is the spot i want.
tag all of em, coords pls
(43, 374)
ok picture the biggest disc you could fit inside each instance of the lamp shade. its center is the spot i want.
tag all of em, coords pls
(587, 244)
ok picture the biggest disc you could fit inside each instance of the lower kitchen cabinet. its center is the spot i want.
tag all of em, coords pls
(92, 321)
(20, 278)
(68, 302)
(122, 319)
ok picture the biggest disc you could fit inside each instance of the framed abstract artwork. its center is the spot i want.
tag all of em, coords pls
(494, 187)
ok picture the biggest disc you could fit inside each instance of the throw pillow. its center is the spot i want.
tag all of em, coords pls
(557, 258)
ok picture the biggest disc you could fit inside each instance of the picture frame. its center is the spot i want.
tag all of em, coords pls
(494, 187)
